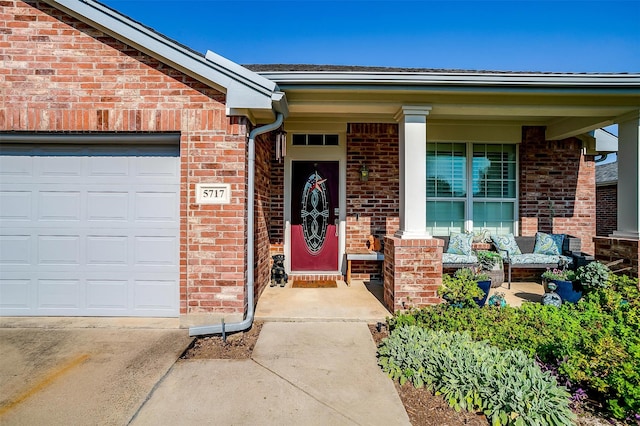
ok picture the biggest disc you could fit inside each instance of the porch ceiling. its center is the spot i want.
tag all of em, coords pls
(381, 106)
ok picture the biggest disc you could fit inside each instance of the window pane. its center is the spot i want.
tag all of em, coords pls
(298, 139)
(444, 217)
(497, 217)
(494, 171)
(331, 140)
(446, 170)
(315, 139)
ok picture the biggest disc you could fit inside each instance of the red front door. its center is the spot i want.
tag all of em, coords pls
(314, 214)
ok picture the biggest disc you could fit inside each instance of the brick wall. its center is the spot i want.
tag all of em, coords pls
(60, 75)
(557, 187)
(412, 272)
(372, 207)
(263, 215)
(276, 229)
(609, 249)
(606, 209)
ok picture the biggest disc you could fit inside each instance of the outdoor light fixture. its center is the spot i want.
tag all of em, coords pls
(281, 144)
(364, 173)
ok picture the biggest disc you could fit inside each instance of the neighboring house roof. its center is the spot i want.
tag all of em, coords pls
(245, 90)
(607, 174)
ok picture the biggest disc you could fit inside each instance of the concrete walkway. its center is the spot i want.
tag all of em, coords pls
(311, 373)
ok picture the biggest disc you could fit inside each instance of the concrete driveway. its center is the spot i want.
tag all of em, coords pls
(63, 371)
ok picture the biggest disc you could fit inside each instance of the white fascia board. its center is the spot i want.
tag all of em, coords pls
(283, 78)
(244, 88)
(605, 141)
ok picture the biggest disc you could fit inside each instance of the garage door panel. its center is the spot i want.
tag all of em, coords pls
(155, 250)
(15, 249)
(61, 250)
(154, 295)
(107, 250)
(156, 206)
(102, 165)
(15, 295)
(89, 230)
(14, 165)
(107, 206)
(107, 294)
(59, 162)
(15, 205)
(59, 293)
(156, 166)
(59, 205)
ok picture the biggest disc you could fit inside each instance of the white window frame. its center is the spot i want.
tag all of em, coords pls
(469, 198)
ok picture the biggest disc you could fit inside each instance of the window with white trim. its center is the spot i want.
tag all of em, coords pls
(471, 186)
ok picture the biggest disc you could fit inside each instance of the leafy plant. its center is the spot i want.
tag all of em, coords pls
(558, 274)
(474, 274)
(506, 385)
(461, 289)
(488, 259)
(593, 275)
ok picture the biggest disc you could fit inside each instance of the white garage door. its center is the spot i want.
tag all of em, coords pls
(89, 230)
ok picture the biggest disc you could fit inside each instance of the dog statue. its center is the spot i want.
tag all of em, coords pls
(278, 274)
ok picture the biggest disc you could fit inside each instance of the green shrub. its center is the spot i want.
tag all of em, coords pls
(593, 275)
(507, 386)
(593, 344)
(461, 289)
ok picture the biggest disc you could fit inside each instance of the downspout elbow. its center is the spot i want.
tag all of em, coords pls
(248, 321)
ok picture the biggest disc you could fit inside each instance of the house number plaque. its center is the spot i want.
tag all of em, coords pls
(213, 193)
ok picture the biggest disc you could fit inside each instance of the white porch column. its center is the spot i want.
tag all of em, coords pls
(412, 121)
(628, 177)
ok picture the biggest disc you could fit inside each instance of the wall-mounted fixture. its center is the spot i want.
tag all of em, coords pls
(364, 173)
(281, 144)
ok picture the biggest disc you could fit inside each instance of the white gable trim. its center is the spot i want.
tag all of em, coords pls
(244, 89)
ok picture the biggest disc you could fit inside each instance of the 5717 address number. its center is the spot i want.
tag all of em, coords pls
(213, 193)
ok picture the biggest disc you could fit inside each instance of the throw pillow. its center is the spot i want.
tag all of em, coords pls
(506, 243)
(549, 244)
(460, 243)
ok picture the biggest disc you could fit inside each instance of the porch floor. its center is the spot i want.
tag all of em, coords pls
(361, 302)
(520, 292)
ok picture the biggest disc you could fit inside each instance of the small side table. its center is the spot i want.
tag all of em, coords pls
(361, 254)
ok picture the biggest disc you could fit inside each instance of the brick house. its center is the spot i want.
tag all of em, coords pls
(141, 178)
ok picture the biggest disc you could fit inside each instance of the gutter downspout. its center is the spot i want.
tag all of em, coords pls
(223, 328)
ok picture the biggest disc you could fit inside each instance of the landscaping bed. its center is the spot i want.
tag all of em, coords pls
(590, 349)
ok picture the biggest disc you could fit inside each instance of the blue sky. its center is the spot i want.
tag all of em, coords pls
(555, 36)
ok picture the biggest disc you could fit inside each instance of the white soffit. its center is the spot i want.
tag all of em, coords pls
(244, 89)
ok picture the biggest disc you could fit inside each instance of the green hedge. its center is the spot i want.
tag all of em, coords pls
(593, 344)
(508, 386)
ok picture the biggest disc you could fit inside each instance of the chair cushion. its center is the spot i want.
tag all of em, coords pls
(506, 243)
(449, 258)
(460, 243)
(550, 244)
(541, 259)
